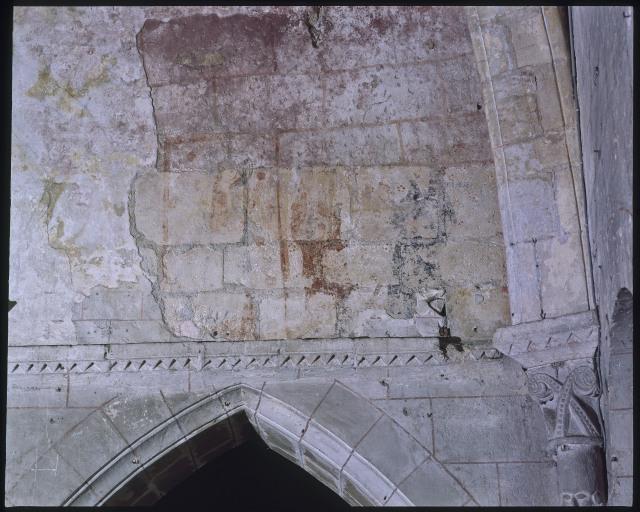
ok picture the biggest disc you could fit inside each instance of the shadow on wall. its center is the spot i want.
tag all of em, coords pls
(621, 333)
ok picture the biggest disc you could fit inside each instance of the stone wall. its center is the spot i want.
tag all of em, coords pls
(298, 191)
(204, 233)
(603, 43)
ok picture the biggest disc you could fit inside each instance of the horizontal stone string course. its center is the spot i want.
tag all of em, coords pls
(236, 356)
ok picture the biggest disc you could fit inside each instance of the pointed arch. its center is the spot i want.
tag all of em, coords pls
(338, 436)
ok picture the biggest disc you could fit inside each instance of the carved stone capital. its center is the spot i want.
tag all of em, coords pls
(558, 357)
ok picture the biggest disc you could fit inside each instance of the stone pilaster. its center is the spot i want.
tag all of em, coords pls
(558, 356)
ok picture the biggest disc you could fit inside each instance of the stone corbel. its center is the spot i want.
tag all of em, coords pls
(558, 356)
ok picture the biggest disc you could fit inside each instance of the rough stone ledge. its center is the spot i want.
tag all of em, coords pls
(342, 353)
(546, 341)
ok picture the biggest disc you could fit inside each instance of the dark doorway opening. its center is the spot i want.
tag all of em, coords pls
(252, 477)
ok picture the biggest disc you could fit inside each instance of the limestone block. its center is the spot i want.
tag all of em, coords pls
(310, 204)
(50, 482)
(278, 439)
(363, 483)
(523, 484)
(514, 83)
(31, 433)
(467, 140)
(196, 46)
(394, 202)
(537, 213)
(621, 492)
(620, 389)
(452, 380)
(511, 428)
(348, 50)
(118, 470)
(519, 118)
(423, 141)
(442, 488)
(360, 265)
(362, 146)
(136, 414)
(366, 312)
(345, 414)
(414, 415)
(324, 453)
(199, 154)
(264, 223)
(137, 331)
(464, 93)
(391, 450)
(250, 151)
(295, 102)
(294, 52)
(91, 444)
(562, 276)
(218, 315)
(530, 41)
(321, 467)
(480, 480)
(44, 390)
(255, 266)
(621, 441)
(197, 269)
(195, 208)
(499, 50)
(303, 395)
(564, 195)
(383, 94)
(475, 312)
(549, 105)
(291, 421)
(458, 263)
(182, 111)
(241, 103)
(428, 33)
(118, 303)
(297, 315)
(524, 288)
(466, 187)
(302, 149)
(92, 331)
(205, 413)
(95, 389)
(534, 159)
(151, 448)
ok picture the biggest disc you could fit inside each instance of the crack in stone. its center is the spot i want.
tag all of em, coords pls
(140, 240)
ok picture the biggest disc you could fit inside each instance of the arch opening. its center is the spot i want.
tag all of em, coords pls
(275, 482)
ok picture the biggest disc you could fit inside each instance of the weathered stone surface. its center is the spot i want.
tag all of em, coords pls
(212, 315)
(519, 482)
(503, 429)
(210, 205)
(195, 207)
(195, 270)
(480, 480)
(297, 315)
(445, 489)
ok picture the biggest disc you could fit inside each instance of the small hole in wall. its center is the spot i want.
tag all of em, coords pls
(478, 106)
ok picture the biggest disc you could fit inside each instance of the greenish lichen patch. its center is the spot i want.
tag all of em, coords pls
(50, 196)
(44, 86)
